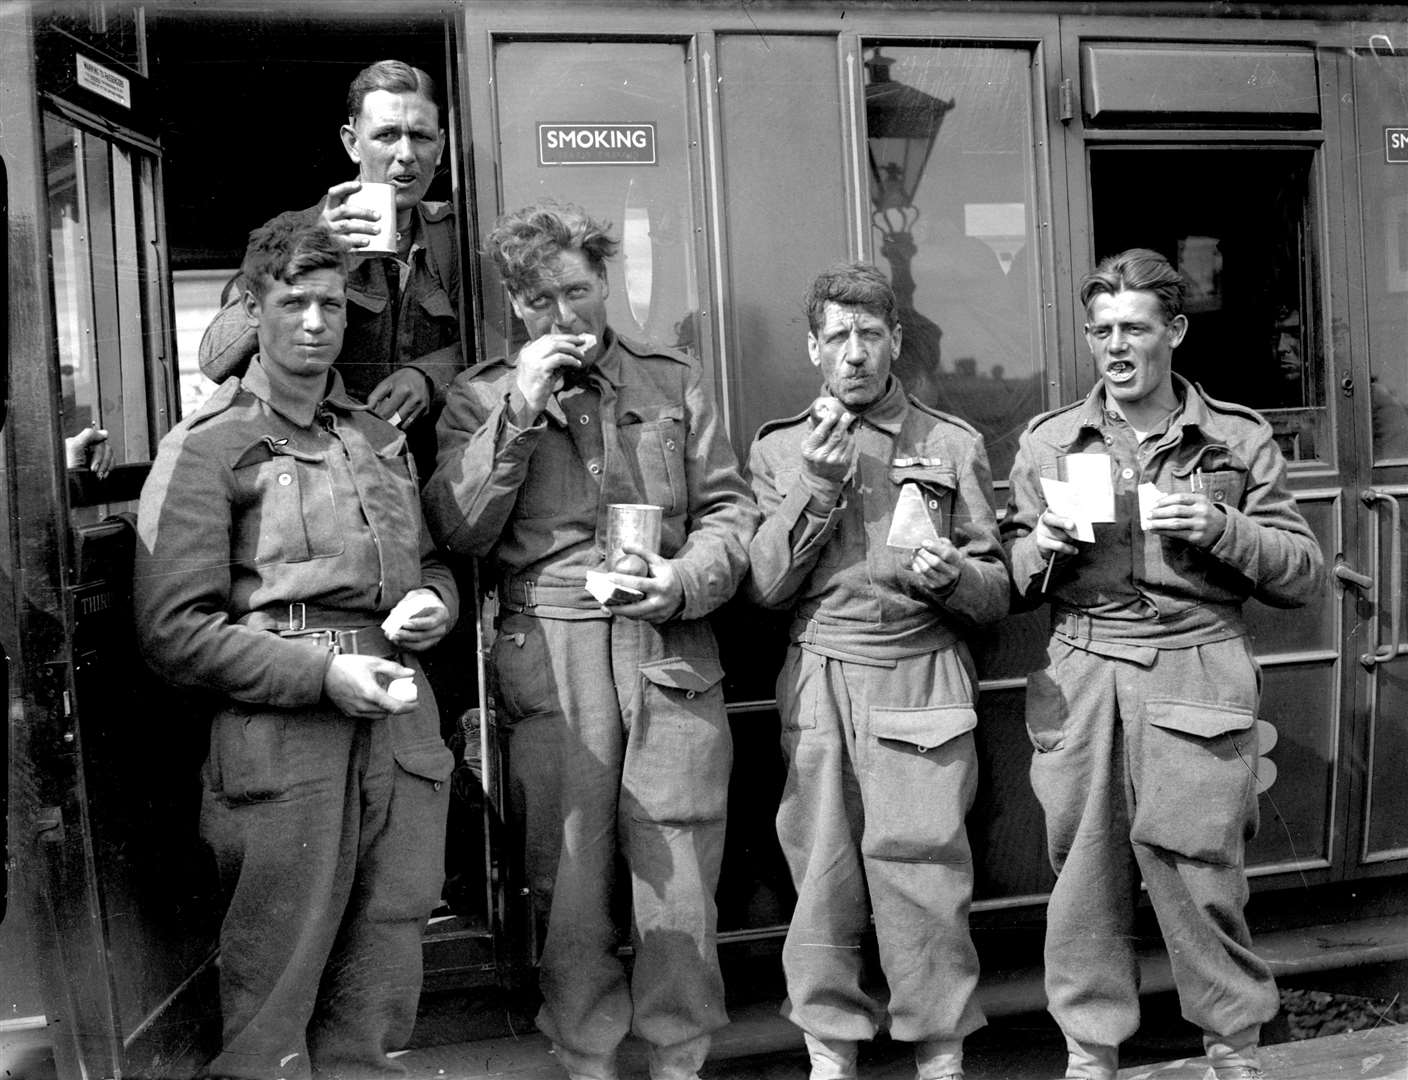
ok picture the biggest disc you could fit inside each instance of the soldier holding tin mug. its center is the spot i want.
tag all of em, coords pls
(611, 698)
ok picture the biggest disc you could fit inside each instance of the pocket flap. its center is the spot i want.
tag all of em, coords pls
(926, 727)
(366, 301)
(1202, 719)
(1210, 458)
(636, 409)
(428, 758)
(437, 303)
(945, 476)
(683, 673)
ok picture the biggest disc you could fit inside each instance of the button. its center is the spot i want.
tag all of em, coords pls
(1219, 495)
(1109, 440)
(669, 444)
(933, 504)
(584, 419)
(285, 479)
(1127, 473)
(689, 694)
(594, 468)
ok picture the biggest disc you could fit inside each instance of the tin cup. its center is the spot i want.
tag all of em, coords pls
(637, 524)
(381, 198)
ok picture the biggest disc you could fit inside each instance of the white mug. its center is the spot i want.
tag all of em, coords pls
(381, 198)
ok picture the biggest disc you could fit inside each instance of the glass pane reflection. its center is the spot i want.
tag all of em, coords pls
(952, 222)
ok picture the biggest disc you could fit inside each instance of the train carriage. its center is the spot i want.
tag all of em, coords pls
(983, 154)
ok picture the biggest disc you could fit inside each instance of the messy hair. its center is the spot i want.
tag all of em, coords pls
(286, 248)
(527, 240)
(857, 284)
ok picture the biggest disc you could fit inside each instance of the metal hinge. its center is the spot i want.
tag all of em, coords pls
(1068, 101)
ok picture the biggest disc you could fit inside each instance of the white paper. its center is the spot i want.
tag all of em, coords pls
(1149, 496)
(1090, 473)
(1069, 501)
(406, 609)
(911, 525)
(605, 591)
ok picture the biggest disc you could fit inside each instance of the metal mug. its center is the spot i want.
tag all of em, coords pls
(637, 524)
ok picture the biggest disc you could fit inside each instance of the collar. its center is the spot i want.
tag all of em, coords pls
(887, 412)
(256, 381)
(1192, 412)
(607, 369)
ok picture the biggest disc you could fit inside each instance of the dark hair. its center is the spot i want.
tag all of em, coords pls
(287, 247)
(394, 76)
(859, 284)
(1137, 270)
(528, 239)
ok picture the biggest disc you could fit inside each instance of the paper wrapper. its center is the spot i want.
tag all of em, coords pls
(911, 524)
(606, 591)
(408, 608)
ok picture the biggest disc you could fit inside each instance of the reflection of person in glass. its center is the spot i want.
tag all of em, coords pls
(279, 528)
(1144, 719)
(618, 744)
(876, 693)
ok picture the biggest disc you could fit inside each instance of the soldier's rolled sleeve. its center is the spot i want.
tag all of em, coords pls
(722, 514)
(1025, 505)
(482, 462)
(182, 591)
(792, 535)
(1266, 540)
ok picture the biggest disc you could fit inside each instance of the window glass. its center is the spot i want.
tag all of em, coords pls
(571, 128)
(1236, 222)
(1382, 95)
(949, 134)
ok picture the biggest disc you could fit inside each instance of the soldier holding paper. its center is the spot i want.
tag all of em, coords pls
(879, 535)
(1144, 718)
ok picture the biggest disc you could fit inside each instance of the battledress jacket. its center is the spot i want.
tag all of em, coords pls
(1136, 586)
(252, 507)
(422, 331)
(846, 584)
(534, 500)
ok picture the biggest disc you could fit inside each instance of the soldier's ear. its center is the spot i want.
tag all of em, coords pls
(1177, 328)
(896, 338)
(251, 306)
(813, 350)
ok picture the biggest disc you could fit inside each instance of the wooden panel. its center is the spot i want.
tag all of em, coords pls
(1120, 82)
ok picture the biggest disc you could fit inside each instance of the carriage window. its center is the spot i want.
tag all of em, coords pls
(1236, 222)
(952, 191)
(100, 200)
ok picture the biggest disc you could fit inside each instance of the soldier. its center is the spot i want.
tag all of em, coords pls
(1144, 717)
(877, 690)
(617, 738)
(279, 527)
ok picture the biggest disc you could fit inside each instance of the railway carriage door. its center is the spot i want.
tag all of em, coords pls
(1374, 384)
(1222, 147)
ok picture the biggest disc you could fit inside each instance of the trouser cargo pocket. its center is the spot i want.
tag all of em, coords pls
(918, 782)
(1195, 787)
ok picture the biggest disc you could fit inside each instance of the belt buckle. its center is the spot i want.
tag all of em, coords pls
(297, 616)
(344, 641)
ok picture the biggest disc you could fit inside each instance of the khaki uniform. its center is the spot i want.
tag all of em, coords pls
(877, 703)
(1143, 720)
(617, 738)
(329, 830)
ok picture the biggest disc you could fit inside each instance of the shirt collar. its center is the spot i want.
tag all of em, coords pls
(1191, 413)
(256, 381)
(888, 411)
(607, 367)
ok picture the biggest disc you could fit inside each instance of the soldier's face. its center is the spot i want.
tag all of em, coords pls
(1132, 344)
(300, 322)
(854, 349)
(396, 140)
(569, 297)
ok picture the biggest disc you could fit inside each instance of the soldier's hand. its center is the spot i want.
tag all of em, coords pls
(1189, 516)
(938, 563)
(664, 592)
(1055, 534)
(401, 396)
(352, 226)
(829, 449)
(540, 365)
(429, 624)
(356, 685)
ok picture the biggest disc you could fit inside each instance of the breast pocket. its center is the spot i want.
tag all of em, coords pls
(921, 491)
(294, 511)
(653, 437)
(1215, 472)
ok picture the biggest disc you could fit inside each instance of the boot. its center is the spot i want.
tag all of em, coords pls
(939, 1059)
(832, 1059)
(1235, 1057)
(1091, 1061)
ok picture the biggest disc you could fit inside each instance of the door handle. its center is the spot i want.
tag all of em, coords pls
(1386, 651)
(1353, 577)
